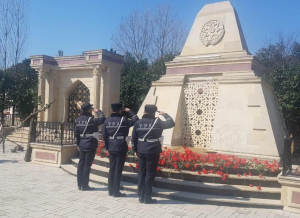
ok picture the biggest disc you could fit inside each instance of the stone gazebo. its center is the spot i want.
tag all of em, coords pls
(69, 79)
(92, 77)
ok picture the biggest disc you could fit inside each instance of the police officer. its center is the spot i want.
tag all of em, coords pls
(87, 136)
(147, 147)
(115, 131)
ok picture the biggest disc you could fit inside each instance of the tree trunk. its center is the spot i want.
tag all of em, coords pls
(31, 138)
(3, 138)
(13, 116)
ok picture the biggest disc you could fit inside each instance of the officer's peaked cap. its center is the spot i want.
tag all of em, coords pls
(149, 108)
(86, 106)
(116, 106)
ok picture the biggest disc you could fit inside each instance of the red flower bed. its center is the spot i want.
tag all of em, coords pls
(220, 164)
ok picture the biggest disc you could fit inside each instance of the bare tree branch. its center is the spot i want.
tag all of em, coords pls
(150, 36)
(46, 106)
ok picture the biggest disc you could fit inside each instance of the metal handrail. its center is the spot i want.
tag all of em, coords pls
(56, 133)
(291, 155)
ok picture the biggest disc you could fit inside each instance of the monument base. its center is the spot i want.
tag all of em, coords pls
(53, 155)
(290, 193)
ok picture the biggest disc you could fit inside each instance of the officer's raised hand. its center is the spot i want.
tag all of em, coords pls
(169, 123)
(161, 112)
(133, 116)
(95, 110)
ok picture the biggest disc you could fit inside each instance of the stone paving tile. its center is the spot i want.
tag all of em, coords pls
(31, 190)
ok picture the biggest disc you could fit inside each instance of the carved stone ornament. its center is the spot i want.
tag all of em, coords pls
(198, 113)
(212, 33)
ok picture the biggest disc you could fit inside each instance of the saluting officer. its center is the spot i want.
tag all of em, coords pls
(87, 136)
(146, 137)
(115, 133)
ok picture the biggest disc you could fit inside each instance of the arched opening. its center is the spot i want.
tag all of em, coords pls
(79, 93)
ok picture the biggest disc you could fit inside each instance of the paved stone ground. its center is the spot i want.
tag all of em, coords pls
(30, 190)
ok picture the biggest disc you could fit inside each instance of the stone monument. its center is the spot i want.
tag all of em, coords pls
(215, 91)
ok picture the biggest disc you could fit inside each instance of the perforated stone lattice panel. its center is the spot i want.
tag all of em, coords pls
(198, 113)
(80, 93)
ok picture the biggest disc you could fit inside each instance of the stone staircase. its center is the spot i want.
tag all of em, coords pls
(192, 187)
(19, 136)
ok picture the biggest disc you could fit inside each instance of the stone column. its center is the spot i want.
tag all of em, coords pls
(41, 92)
(102, 89)
(49, 89)
(96, 85)
(54, 108)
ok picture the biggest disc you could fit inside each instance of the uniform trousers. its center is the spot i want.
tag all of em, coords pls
(146, 173)
(86, 158)
(116, 164)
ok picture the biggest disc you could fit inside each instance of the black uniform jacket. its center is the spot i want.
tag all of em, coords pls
(111, 125)
(88, 143)
(141, 127)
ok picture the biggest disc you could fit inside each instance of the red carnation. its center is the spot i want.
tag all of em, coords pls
(239, 175)
(130, 165)
(258, 188)
(224, 178)
(220, 173)
(260, 176)
(158, 169)
(199, 172)
(245, 174)
(137, 166)
(187, 166)
(250, 174)
(165, 148)
(251, 185)
(204, 171)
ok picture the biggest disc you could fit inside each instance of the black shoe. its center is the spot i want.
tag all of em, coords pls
(88, 188)
(118, 195)
(149, 201)
(110, 194)
(79, 187)
(141, 199)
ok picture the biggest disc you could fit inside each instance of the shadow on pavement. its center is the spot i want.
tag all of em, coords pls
(101, 189)
(9, 161)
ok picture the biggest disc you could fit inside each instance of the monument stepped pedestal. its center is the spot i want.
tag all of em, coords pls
(192, 187)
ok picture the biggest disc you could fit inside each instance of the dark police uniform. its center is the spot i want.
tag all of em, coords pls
(87, 143)
(115, 142)
(148, 148)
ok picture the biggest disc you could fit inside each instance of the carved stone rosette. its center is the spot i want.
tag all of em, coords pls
(212, 33)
